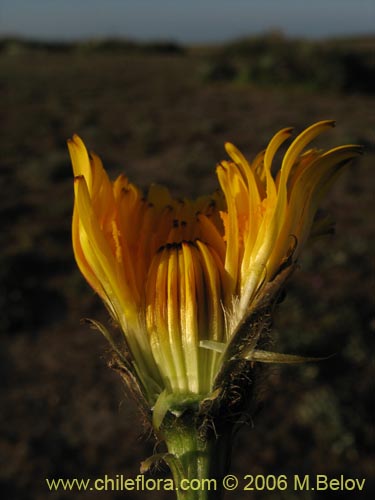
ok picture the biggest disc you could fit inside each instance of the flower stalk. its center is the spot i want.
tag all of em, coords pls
(203, 458)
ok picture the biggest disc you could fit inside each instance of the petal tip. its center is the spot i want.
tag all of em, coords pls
(78, 178)
(328, 123)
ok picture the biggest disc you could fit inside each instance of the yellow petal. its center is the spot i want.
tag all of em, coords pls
(210, 234)
(99, 256)
(299, 143)
(80, 160)
(275, 143)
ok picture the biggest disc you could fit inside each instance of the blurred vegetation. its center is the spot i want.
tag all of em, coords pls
(9, 45)
(272, 60)
(161, 113)
(345, 65)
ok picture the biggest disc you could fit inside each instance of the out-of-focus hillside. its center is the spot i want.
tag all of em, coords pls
(161, 113)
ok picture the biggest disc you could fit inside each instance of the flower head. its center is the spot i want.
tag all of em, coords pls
(181, 277)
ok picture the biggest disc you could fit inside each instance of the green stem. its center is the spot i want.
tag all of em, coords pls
(203, 459)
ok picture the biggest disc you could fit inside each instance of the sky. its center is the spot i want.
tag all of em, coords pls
(186, 21)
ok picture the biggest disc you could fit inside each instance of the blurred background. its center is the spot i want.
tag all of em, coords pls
(156, 88)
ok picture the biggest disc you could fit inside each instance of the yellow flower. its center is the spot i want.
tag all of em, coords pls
(180, 276)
